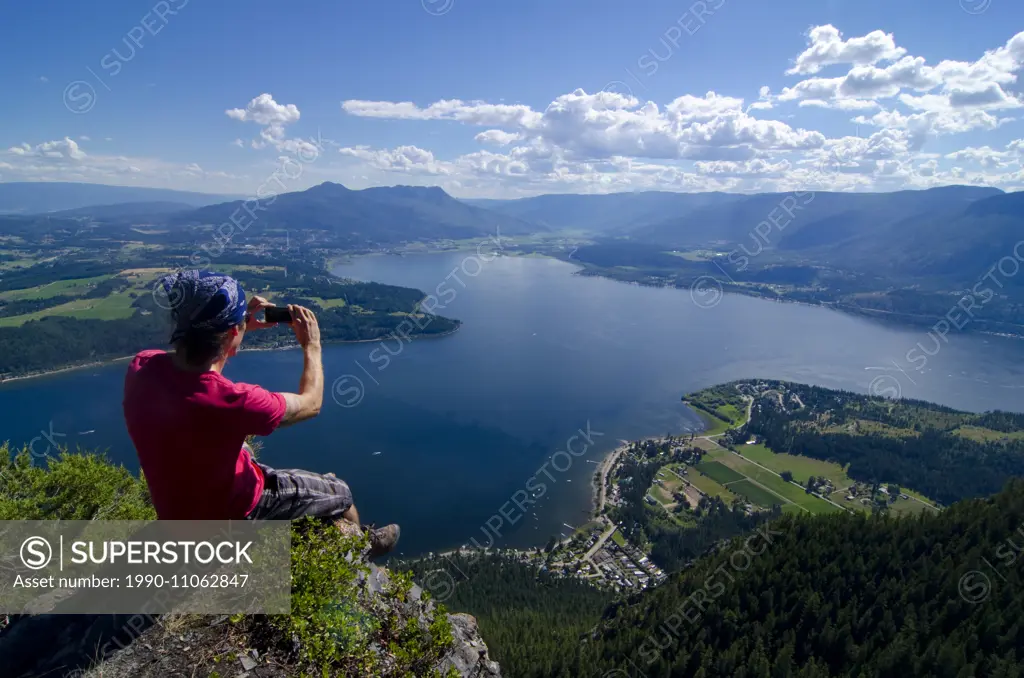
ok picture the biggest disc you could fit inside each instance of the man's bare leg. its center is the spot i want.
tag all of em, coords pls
(351, 515)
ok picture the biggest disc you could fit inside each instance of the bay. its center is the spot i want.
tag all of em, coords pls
(441, 434)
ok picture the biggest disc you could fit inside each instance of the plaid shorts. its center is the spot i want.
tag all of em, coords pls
(293, 493)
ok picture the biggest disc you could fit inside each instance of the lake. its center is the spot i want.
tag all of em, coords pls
(439, 434)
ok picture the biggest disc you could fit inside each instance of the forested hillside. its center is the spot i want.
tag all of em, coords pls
(838, 595)
(531, 620)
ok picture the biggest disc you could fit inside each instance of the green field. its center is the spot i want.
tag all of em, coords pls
(710, 487)
(909, 507)
(719, 472)
(918, 495)
(8, 244)
(730, 413)
(802, 468)
(659, 493)
(118, 305)
(985, 435)
(756, 494)
(776, 484)
(671, 480)
(328, 303)
(726, 467)
(73, 287)
(618, 538)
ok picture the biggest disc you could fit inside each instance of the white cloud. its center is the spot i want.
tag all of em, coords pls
(263, 110)
(704, 109)
(608, 141)
(935, 121)
(402, 159)
(764, 102)
(66, 148)
(497, 137)
(825, 47)
(605, 124)
(955, 96)
(272, 116)
(742, 169)
(469, 112)
(988, 157)
(43, 79)
(84, 138)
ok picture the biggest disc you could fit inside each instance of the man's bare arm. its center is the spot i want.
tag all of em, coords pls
(307, 402)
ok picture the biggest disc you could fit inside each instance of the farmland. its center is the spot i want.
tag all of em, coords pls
(734, 464)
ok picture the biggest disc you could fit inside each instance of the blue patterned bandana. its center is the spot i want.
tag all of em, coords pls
(203, 300)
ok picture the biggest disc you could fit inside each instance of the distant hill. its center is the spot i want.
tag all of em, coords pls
(124, 210)
(607, 213)
(30, 197)
(390, 214)
(820, 219)
(964, 243)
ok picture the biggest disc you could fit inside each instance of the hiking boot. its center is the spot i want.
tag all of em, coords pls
(382, 539)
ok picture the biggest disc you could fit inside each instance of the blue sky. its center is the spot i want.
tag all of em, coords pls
(489, 98)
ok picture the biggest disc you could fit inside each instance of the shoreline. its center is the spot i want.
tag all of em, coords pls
(111, 361)
(67, 368)
(608, 463)
(604, 467)
(892, 318)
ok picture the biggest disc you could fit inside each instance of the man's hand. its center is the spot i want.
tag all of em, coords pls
(305, 326)
(307, 402)
(256, 304)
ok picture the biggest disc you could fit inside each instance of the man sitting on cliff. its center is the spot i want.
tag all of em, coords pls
(189, 423)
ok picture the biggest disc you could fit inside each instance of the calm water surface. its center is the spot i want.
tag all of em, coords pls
(452, 427)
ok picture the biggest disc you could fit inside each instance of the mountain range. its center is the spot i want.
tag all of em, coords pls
(386, 214)
(37, 197)
(952, 232)
(947, 231)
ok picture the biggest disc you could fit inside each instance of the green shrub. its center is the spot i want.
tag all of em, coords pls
(340, 629)
(69, 487)
(335, 627)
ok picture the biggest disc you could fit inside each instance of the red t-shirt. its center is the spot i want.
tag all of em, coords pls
(188, 429)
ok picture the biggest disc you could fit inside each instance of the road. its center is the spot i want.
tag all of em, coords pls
(606, 467)
(600, 542)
